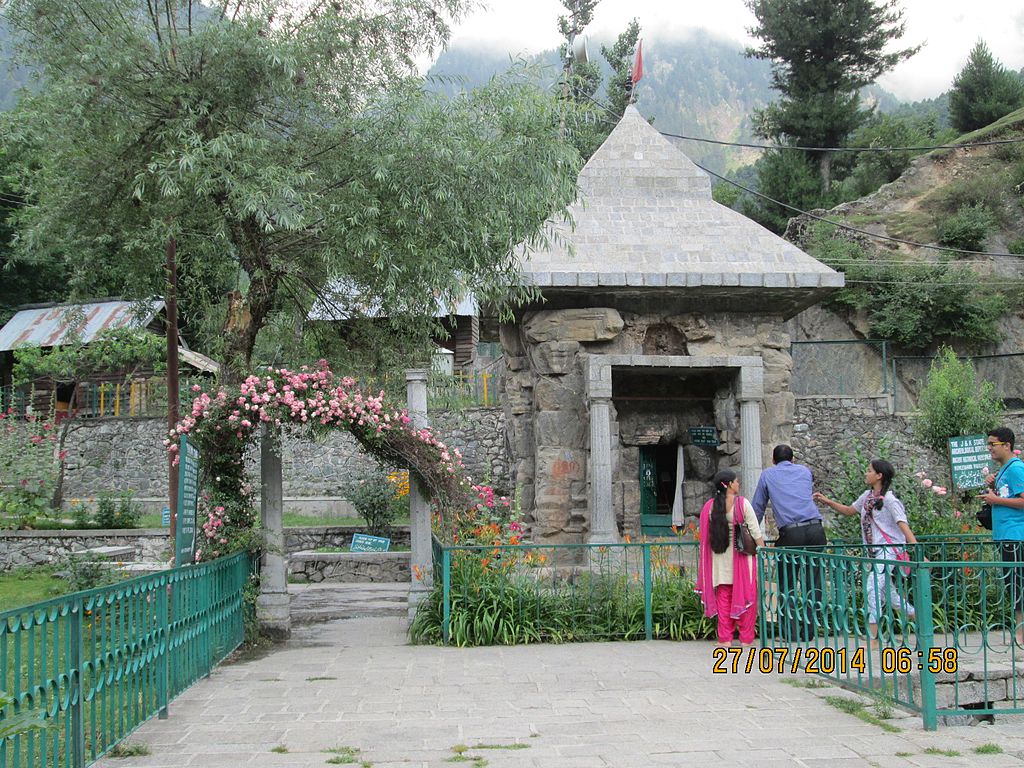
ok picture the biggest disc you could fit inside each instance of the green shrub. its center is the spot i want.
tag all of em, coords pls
(374, 499)
(1017, 246)
(968, 228)
(953, 402)
(502, 600)
(81, 515)
(911, 303)
(106, 512)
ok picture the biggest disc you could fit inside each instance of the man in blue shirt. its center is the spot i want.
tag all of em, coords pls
(789, 488)
(1006, 495)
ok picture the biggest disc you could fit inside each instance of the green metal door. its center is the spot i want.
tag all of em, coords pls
(652, 523)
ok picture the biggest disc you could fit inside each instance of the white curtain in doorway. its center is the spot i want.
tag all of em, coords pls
(678, 511)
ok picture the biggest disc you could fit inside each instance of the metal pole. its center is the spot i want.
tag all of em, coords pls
(171, 304)
(648, 613)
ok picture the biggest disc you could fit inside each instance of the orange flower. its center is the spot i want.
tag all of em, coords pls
(627, 539)
(485, 562)
(675, 529)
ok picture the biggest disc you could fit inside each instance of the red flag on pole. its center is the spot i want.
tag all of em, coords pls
(638, 65)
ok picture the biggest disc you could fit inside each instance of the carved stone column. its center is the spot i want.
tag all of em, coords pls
(421, 556)
(272, 606)
(750, 395)
(603, 529)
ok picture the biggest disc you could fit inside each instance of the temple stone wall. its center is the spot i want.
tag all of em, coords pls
(547, 410)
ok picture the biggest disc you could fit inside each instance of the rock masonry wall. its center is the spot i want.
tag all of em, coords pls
(546, 407)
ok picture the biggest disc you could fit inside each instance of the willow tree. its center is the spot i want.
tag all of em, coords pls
(289, 147)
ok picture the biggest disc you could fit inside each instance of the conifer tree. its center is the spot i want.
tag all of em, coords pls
(983, 91)
(822, 53)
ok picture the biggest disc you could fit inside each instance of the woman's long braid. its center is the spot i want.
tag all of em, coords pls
(719, 524)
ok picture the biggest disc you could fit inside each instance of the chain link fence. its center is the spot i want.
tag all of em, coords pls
(851, 368)
(866, 368)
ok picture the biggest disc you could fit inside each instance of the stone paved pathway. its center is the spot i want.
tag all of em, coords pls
(357, 684)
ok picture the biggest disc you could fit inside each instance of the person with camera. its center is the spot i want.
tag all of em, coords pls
(886, 532)
(1006, 495)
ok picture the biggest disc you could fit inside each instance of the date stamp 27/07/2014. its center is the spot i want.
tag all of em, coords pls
(832, 661)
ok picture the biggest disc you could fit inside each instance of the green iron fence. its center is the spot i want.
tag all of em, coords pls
(99, 663)
(566, 592)
(944, 623)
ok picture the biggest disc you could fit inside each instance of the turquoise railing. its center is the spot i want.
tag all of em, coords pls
(951, 654)
(566, 592)
(99, 663)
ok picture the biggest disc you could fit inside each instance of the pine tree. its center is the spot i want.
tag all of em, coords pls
(983, 91)
(823, 52)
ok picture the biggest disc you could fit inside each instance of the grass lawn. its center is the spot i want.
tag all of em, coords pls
(28, 585)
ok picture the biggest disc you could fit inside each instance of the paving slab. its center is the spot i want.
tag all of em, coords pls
(358, 683)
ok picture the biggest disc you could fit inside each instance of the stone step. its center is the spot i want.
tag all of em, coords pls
(111, 553)
(328, 601)
(141, 568)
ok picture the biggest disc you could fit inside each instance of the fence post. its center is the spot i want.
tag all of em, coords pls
(926, 641)
(77, 684)
(648, 613)
(446, 588)
(163, 649)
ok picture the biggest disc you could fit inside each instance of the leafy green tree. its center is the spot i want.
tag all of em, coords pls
(865, 172)
(954, 402)
(983, 91)
(914, 303)
(822, 53)
(621, 57)
(287, 147)
(21, 281)
(582, 81)
(789, 177)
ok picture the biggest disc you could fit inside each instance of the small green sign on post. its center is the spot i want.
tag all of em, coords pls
(188, 503)
(703, 436)
(362, 542)
(968, 458)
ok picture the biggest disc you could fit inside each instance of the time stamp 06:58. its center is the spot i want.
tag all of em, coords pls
(831, 661)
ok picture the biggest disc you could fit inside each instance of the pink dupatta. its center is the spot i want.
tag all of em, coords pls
(744, 573)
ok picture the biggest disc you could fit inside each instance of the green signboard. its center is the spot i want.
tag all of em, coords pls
(703, 436)
(188, 502)
(362, 542)
(968, 458)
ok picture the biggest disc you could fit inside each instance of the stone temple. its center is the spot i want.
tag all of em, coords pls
(659, 352)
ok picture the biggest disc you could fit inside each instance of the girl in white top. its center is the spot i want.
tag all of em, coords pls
(884, 528)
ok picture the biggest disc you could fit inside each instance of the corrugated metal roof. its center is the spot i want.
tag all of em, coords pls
(341, 301)
(53, 326)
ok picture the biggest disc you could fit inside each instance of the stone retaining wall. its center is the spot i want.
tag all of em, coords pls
(349, 567)
(24, 548)
(115, 455)
(826, 428)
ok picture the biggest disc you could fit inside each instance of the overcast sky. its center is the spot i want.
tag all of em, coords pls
(949, 29)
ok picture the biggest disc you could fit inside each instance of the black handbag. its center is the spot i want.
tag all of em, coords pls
(742, 539)
(745, 543)
(984, 516)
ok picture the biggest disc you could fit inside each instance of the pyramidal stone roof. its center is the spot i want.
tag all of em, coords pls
(645, 219)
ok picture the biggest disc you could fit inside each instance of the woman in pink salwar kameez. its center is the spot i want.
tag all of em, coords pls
(727, 578)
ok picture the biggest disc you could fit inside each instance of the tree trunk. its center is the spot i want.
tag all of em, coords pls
(825, 165)
(247, 315)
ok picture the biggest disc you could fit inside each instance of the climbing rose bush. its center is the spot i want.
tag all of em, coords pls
(223, 423)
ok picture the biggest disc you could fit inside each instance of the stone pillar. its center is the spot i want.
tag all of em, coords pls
(750, 395)
(603, 529)
(272, 605)
(421, 557)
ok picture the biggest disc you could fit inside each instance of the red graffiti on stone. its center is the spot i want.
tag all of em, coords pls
(563, 468)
